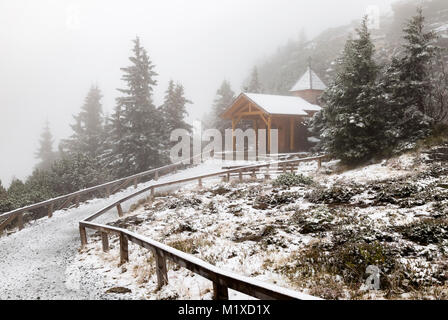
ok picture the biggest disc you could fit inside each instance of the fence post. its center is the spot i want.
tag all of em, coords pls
(105, 241)
(120, 210)
(108, 191)
(151, 197)
(156, 175)
(319, 163)
(83, 236)
(135, 183)
(20, 220)
(220, 292)
(266, 175)
(240, 175)
(50, 210)
(284, 168)
(253, 174)
(124, 250)
(200, 182)
(161, 270)
(78, 198)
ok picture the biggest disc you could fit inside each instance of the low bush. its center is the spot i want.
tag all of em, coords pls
(340, 194)
(274, 200)
(288, 180)
(427, 231)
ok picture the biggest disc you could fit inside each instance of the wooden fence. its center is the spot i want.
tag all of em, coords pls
(222, 280)
(61, 202)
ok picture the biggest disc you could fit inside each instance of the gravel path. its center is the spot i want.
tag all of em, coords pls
(33, 261)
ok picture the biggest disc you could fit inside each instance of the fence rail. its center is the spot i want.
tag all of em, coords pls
(64, 200)
(222, 280)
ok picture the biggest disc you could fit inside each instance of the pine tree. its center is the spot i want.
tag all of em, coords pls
(437, 101)
(88, 127)
(174, 111)
(351, 121)
(5, 204)
(254, 85)
(17, 194)
(407, 84)
(3, 193)
(45, 152)
(174, 108)
(135, 139)
(224, 98)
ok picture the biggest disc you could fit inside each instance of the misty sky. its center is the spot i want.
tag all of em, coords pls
(52, 51)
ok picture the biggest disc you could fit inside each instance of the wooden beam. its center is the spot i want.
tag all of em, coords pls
(65, 203)
(83, 235)
(124, 249)
(220, 292)
(233, 135)
(291, 134)
(5, 223)
(50, 210)
(20, 221)
(264, 119)
(105, 241)
(120, 210)
(250, 113)
(161, 270)
(269, 135)
(255, 124)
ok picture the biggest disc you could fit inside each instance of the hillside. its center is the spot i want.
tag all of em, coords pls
(282, 69)
(316, 236)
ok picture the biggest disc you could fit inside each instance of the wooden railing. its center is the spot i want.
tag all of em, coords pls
(222, 280)
(61, 202)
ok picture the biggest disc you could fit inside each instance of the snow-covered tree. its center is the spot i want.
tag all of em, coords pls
(224, 98)
(5, 204)
(174, 108)
(437, 100)
(254, 85)
(74, 172)
(88, 128)
(351, 123)
(135, 141)
(407, 85)
(45, 151)
(3, 193)
(173, 112)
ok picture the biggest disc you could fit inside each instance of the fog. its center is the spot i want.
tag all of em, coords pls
(53, 51)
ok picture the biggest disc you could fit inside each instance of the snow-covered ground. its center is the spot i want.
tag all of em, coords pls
(266, 232)
(33, 261)
(252, 228)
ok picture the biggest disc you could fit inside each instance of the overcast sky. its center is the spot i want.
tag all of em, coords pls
(52, 51)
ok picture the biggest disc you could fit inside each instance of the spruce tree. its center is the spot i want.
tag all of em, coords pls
(173, 112)
(5, 204)
(224, 98)
(3, 193)
(174, 108)
(254, 85)
(135, 142)
(17, 194)
(406, 85)
(88, 127)
(45, 151)
(351, 121)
